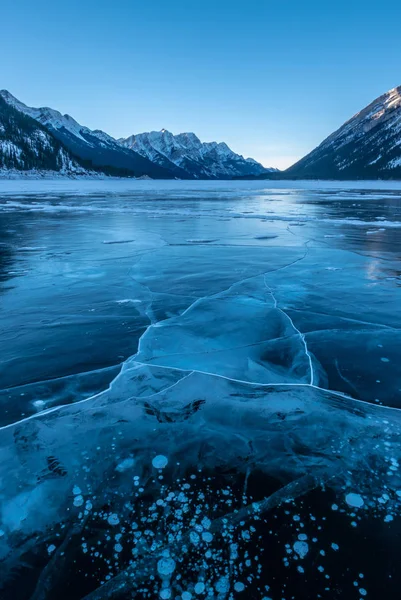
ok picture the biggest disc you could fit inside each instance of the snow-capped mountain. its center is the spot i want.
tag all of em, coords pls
(186, 154)
(95, 147)
(156, 154)
(25, 145)
(368, 146)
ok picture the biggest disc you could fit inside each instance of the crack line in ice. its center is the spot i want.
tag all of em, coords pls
(342, 395)
(229, 348)
(132, 358)
(226, 290)
(212, 296)
(347, 381)
(193, 371)
(379, 325)
(302, 335)
(56, 408)
(255, 383)
(61, 379)
(167, 388)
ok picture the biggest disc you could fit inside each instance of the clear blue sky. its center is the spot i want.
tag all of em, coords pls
(271, 78)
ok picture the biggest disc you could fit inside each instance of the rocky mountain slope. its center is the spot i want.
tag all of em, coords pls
(26, 145)
(368, 146)
(95, 147)
(186, 155)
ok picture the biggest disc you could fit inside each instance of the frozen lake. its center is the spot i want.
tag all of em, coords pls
(200, 389)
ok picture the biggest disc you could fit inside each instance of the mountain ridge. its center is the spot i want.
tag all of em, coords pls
(26, 145)
(187, 158)
(95, 147)
(368, 145)
(185, 152)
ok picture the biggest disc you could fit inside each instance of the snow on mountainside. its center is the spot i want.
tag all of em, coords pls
(186, 153)
(95, 147)
(368, 146)
(26, 146)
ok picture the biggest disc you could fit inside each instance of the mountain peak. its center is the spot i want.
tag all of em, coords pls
(6, 94)
(11, 100)
(367, 146)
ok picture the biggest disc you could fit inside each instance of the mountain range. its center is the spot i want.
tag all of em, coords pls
(159, 155)
(368, 146)
(185, 153)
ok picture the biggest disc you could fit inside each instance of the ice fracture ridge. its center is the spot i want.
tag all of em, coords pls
(133, 362)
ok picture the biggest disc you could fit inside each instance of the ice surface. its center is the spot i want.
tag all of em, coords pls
(190, 419)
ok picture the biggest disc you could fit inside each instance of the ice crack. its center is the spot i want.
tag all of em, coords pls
(301, 335)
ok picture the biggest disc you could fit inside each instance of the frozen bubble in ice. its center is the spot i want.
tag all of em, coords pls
(113, 519)
(301, 548)
(186, 596)
(39, 404)
(239, 587)
(165, 594)
(78, 500)
(335, 546)
(76, 490)
(124, 465)
(194, 537)
(354, 500)
(51, 548)
(199, 587)
(160, 461)
(166, 566)
(207, 536)
(223, 585)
